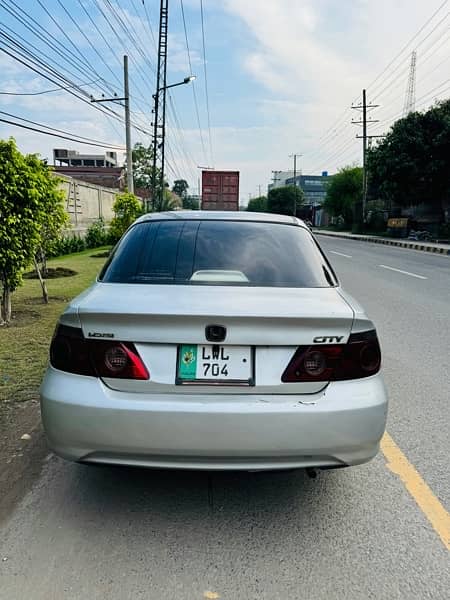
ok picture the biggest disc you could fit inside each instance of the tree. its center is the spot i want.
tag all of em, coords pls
(180, 187)
(411, 165)
(55, 222)
(285, 200)
(142, 166)
(127, 208)
(30, 207)
(143, 171)
(344, 190)
(191, 203)
(258, 204)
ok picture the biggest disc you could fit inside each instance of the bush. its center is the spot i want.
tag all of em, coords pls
(96, 235)
(68, 245)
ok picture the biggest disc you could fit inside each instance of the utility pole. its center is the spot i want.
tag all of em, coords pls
(126, 100)
(364, 106)
(130, 181)
(159, 110)
(295, 156)
(259, 189)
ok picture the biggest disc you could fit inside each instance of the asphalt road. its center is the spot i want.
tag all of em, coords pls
(86, 534)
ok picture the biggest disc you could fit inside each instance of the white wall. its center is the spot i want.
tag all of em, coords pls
(86, 203)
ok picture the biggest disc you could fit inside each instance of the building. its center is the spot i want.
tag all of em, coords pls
(279, 179)
(315, 189)
(72, 158)
(313, 186)
(97, 169)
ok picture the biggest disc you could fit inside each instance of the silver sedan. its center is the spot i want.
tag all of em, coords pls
(215, 340)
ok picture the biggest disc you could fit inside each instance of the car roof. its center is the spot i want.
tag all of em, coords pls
(219, 215)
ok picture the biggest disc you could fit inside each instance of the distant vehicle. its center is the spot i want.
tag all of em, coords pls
(220, 190)
(420, 235)
(215, 340)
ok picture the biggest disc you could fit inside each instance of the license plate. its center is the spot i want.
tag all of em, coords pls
(214, 363)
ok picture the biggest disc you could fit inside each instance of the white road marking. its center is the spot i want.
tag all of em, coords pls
(404, 272)
(341, 254)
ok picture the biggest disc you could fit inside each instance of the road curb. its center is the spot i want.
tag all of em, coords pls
(410, 245)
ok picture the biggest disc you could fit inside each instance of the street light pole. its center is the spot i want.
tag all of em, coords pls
(159, 132)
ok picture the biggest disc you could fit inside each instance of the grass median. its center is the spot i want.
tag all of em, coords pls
(24, 344)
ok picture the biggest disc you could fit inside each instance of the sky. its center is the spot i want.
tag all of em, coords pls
(281, 77)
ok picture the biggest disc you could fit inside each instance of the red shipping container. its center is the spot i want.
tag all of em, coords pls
(220, 190)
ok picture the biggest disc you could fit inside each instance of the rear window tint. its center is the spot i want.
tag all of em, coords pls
(218, 253)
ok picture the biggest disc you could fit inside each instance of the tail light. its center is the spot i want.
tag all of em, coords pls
(359, 357)
(71, 352)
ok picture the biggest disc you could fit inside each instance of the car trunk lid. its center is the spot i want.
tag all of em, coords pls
(160, 319)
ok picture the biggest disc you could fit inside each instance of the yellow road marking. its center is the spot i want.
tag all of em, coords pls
(419, 490)
(211, 595)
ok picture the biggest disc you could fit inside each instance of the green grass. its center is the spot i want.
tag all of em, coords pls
(24, 344)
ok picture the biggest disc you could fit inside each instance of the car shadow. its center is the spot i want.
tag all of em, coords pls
(186, 505)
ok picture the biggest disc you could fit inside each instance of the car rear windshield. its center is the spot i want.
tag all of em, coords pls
(218, 253)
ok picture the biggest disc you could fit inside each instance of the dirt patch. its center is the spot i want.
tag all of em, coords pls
(20, 460)
(22, 318)
(101, 255)
(38, 300)
(52, 273)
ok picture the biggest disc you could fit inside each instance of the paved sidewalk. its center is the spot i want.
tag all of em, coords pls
(403, 243)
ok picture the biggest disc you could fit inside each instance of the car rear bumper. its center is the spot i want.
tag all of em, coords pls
(86, 421)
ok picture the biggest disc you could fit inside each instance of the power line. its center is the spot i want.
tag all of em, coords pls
(111, 49)
(48, 127)
(190, 163)
(395, 78)
(149, 24)
(69, 136)
(193, 83)
(429, 93)
(336, 153)
(120, 38)
(130, 31)
(33, 29)
(135, 43)
(68, 38)
(75, 22)
(45, 39)
(408, 43)
(57, 89)
(338, 126)
(435, 68)
(206, 82)
(28, 22)
(53, 76)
